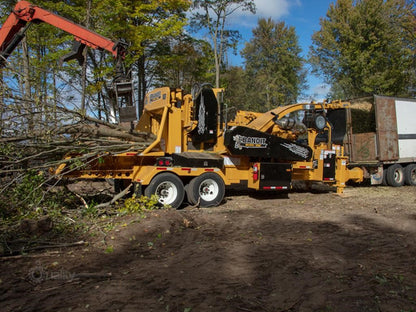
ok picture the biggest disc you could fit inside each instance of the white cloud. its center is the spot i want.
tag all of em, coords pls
(322, 89)
(275, 9)
(319, 92)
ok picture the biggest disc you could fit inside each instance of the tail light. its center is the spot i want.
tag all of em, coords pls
(255, 172)
(164, 161)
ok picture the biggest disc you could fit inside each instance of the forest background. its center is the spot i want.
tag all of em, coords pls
(362, 48)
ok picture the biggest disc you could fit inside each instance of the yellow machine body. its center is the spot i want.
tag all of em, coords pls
(193, 139)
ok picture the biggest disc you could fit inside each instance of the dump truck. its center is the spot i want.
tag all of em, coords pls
(197, 152)
(379, 136)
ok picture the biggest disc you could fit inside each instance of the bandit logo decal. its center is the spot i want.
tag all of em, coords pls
(249, 142)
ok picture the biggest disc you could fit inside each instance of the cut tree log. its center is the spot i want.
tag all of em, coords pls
(99, 131)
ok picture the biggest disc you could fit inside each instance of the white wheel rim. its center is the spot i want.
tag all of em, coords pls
(208, 190)
(167, 192)
(398, 176)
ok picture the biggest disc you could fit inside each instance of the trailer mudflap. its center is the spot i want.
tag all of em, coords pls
(275, 176)
(329, 159)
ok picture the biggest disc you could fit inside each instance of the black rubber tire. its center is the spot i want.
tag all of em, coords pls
(395, 175)
(208, 190)
(384, 181)
(410, 174)
(190, 198)
(168, 187)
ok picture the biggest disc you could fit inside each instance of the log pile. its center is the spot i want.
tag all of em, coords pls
(84, 135)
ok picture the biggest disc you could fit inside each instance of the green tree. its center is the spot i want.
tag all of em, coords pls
(182, 62)
(234, 80)
(142, 24)
(274, 65)
(363, 47)
(212, 15)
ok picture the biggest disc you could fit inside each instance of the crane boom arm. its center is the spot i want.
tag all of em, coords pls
(13, 29)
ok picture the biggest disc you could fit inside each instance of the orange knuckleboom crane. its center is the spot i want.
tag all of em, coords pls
(25, 13)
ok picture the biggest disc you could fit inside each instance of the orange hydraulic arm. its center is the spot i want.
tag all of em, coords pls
(13, 29)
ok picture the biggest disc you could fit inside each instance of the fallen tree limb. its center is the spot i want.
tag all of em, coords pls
(115, 198)
(49, 254)
(82, 129)
(63, 245)
(49, 246)
(81, 199)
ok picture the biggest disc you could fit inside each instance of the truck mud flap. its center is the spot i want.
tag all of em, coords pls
(275, 176)
(329, 165)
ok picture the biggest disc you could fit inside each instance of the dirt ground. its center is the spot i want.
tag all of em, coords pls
(256, 252)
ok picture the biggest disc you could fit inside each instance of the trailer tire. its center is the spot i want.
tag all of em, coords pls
(410, 174)
(384, 180)
(189, 197)
(395, 175)
(207, 190)
(168, 187)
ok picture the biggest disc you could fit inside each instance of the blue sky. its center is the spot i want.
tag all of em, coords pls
(304, 15)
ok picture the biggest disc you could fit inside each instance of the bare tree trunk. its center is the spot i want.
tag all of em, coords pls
(83, 84)
(217, 70)
(2, 105)
(55, 101)
(141, 73)
(99, 106)
(43, 95)
(268, 104)
(84, 65)
(26, 81)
